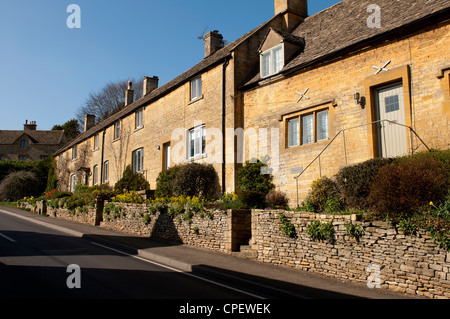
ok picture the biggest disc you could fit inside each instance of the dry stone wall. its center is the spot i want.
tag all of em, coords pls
(383, 257)
(218, 230)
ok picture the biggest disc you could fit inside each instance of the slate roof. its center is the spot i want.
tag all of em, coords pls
(203, 65)
(344, 25)
(37, 137)
(328, 32)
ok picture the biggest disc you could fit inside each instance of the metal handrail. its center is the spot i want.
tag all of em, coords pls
(343, 132)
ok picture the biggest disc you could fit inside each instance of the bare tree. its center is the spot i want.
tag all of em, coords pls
(109, 100)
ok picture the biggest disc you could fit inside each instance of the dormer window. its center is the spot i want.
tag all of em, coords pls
(272, 61)
(276, 50)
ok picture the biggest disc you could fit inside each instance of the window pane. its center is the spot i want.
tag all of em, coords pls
(308, 129)
(392, 103)
(203, 140)
(196, 88)
(278, 60)
(322, 126)
(293, 131)
(191, 143)
(265, 64)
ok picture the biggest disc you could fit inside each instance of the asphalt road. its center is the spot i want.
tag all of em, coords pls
(34, 263)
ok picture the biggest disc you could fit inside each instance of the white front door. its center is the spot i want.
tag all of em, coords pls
(392, 136)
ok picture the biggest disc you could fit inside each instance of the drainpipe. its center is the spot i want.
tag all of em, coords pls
(224, 79)
(102, 157)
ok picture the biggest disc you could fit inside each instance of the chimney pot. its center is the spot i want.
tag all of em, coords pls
(129, 94)
(294, 11)
(31, 126)
(213, 42)
(89, 121)
(150, 84)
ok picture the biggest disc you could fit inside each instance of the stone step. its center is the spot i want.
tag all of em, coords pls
(245, 251)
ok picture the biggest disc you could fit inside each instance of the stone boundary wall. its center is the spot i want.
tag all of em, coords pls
(407, 264)
(218, 230)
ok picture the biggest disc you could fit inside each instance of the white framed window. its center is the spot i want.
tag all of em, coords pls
(139, 118)
(106, 172)
(95, 175)
(138, 161)
(293, 132)
(73, 182)
(196, 88)
(272, 61)
(197, 141)
(96, 142)
(117, 130)
(75, 152)
(60, 159)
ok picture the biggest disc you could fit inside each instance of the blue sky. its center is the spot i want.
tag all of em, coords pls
(47, 70)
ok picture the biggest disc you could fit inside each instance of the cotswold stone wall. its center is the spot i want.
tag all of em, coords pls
(217, 230)
(383, 256)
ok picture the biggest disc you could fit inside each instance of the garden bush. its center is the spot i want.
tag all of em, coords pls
(324, 195)
(194, 179)
(165, 182)
(354, 182)
(131, 181)
(252, 179)
(18, 185)
(277, 199)
(408, 184)
(254, 185)
(252, 199)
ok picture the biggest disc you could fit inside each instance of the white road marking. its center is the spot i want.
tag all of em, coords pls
(7, 238)
(179, 271)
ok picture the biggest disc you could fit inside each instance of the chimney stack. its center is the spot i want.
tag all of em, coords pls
(30, 127)
(129, 94)
(150, 84)
(213, 42)
(89, 121)
(293, 12)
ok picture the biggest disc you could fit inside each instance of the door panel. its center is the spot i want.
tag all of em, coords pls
(392, 138)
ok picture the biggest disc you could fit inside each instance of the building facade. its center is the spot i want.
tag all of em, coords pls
(307, 94)
(29, 144)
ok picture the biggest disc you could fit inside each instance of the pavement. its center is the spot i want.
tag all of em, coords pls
(264, 279)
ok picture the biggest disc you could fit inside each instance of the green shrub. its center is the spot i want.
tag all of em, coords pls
(408, 184)
(354, 231)
(131, 181)
(18, 185)
(251, 178)
(287, 227)
(58, 194)
(252, 199)
(39, 168)
(354, 182)
(324, 195)
(319, 231)
(194, 179)
(165, 182)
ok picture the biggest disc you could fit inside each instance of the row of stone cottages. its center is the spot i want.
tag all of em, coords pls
(356, 80)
